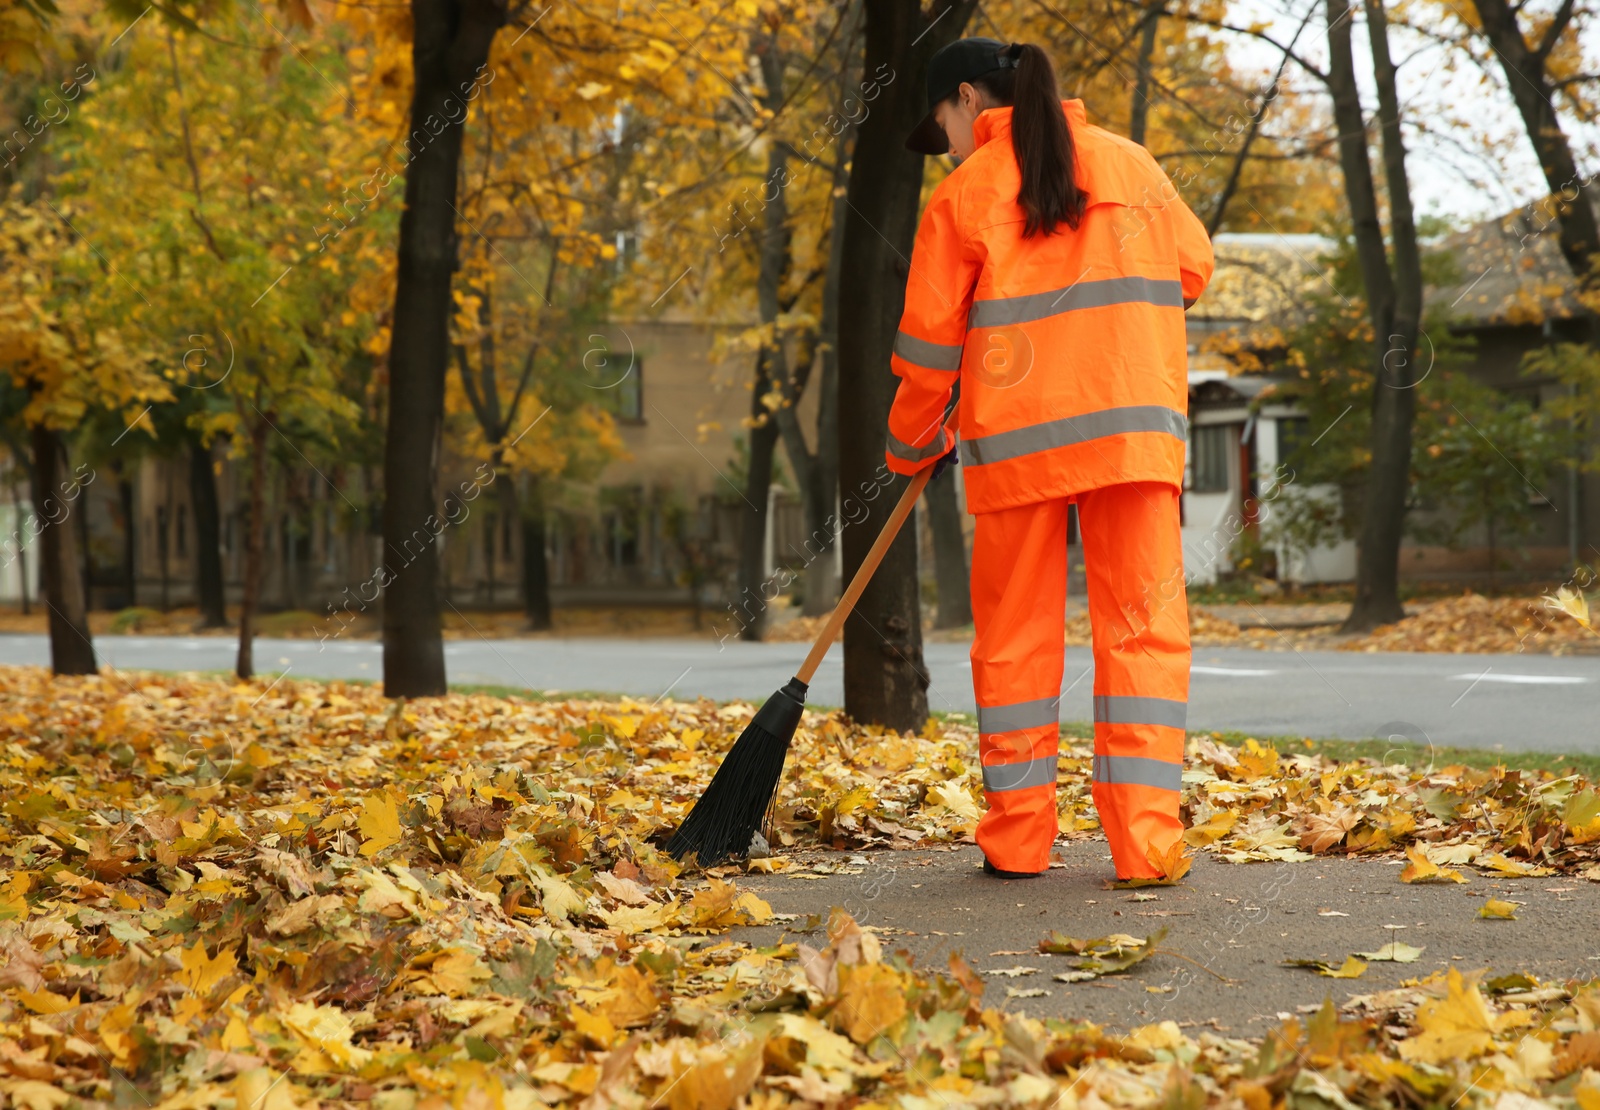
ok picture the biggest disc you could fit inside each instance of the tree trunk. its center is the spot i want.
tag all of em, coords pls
(1140, 113)
(130, 538)
(1529, 82)
(1394, 301)
(207, 537)
(535, 563)
(884, 679)
(82, 557)
(505, 490)
(949, 553)
(255, 542)
(752, 603)
(771, 371)
(71, 650)
(1489, 522)
(822, 522)
(163, 531)
(450, 45)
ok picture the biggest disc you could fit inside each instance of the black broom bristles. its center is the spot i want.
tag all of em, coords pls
(735, 803)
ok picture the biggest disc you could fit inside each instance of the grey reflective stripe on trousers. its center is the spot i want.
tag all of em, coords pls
(1137, 770)
(1070, 430)
(933, 356)
(1022, 714)
(1112, 710)
(1083, 294)
(1019, 776)
(903, 450)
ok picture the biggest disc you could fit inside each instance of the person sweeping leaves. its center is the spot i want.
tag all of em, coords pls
(1050, 276)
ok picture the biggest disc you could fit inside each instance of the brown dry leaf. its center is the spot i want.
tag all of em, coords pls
(23, 962)
(297, 917)
(627, 891)
(1321, 831)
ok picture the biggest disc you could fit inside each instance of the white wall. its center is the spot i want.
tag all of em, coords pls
(15, 534)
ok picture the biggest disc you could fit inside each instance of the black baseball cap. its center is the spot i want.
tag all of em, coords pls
(952, 65)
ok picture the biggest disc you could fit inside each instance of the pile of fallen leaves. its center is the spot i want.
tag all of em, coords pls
(1474, 623)
(266, 896)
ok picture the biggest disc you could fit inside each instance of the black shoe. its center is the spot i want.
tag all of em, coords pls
(991, 869)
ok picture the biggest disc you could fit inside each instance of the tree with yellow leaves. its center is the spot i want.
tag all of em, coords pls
(63, 360)
(207, 172)
(435, 78)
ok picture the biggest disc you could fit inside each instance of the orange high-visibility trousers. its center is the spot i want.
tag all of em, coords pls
(1133, 554)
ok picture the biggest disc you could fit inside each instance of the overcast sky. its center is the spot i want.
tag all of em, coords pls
(1468, 157)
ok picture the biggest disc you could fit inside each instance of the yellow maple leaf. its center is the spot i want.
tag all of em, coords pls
(379, 824)
(1174, 863)
(1498, 909)
(325, 1032)
(1421, 869)
(721, 906)
(1458, 1026)
(641, 919)
(717, 1079)
(201, 973)
(1572, 603)
(1256, 760)
(954, 797)
(872, 998)
(1505, 865)
(632, 1000)
(595, 1026)
(43, 1001)
(457, 972)
(1211, 830)
(264, 1089)
(13, 904)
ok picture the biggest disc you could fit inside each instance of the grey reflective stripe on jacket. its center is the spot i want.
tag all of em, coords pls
(1070, 430)
(902, 450)
(1002, 311)
(932, 356)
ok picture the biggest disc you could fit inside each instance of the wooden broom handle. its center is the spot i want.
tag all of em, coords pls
(858, 584)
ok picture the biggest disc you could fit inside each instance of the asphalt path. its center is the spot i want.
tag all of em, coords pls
(1230, 929)
(1513, 702)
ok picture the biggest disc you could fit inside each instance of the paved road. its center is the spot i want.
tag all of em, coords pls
(1521, 702)
(1240, 921)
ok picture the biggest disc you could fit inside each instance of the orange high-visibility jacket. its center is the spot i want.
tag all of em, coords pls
(1070, 348)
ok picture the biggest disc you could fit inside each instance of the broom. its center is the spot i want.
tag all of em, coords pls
(734, 806)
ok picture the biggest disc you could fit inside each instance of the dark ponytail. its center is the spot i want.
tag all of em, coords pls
(1049, 195)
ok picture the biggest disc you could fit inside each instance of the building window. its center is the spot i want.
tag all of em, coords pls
(619, 518)
(630, 394)
(1208, 459)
